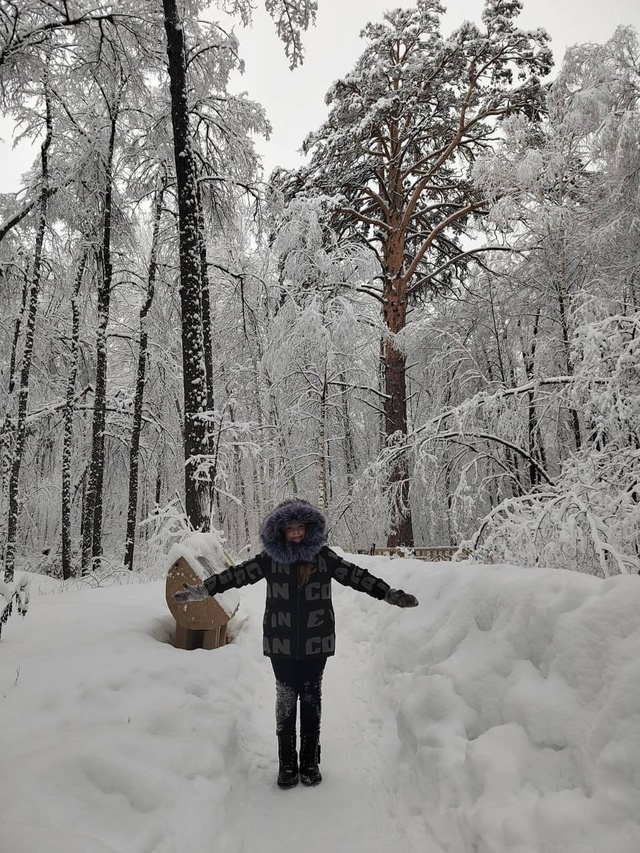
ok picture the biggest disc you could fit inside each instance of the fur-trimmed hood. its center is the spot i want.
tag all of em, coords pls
(287, 513)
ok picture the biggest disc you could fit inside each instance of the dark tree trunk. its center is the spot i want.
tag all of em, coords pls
(348, 446)
(395, 300)
(197, 488)
(395, 411)
(27, 354)
(16, 337)
(207, 340)
(92, 530)
(563, 308)
(6, 436)
(67, 567)
(323, 454)
(141, 377)
(536, 444)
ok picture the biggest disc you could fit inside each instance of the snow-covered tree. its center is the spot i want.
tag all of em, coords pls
(566, 314)
(114, 57)
(404, 128)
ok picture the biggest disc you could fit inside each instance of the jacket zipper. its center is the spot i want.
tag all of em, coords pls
(299, 591)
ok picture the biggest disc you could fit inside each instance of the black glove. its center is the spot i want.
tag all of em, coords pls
(191, 592)
(400, 598)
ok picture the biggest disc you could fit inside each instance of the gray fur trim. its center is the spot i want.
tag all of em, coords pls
(285, 514)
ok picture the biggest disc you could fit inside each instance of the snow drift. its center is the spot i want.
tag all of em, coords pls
(503, 714)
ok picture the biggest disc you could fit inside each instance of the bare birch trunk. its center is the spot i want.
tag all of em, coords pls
(323, 473)
(67, 567)
(7, 433)
(563, 308)
(348, 445)
(141, 378)
(92, 511)
(27, 354)
(535, 444)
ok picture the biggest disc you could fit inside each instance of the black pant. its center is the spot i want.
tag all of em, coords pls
(298, 679)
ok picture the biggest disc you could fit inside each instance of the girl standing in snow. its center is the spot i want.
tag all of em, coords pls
(298, 626)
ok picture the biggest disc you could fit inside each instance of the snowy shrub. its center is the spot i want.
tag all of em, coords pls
(169, 526)
(13, 595)
(574, 529)
(589, 518)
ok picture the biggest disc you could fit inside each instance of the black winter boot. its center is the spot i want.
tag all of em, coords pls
(288, 758)
(309, 760)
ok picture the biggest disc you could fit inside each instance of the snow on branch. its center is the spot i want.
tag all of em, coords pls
(17, 595)
(291, 18)
(573, 529)
(567, 506)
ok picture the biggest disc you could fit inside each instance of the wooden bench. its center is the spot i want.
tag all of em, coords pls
(199, 624)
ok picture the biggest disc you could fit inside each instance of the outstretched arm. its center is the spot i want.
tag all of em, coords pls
(236, 576)
(363, 581)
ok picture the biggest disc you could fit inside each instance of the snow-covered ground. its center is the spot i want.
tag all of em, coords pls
(503, 714)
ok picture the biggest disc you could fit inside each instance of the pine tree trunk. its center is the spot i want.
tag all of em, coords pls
(395, 410)
(197, 490)
(141, 377)
(92, 530)
(27, 354)
(67, 567)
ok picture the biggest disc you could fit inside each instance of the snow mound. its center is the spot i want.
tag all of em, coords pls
(518, 707)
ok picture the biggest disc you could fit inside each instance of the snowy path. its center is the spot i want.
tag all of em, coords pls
(518, 712)
(354, 807)
(163, 750)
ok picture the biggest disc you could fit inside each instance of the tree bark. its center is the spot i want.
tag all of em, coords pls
(27, 354)
(141, 378)
(67, 567)
(323, 447)
(6, 435)
(348, 444)
(395, 404)
(207, 340)
(92, 529)
(197, 487)
(563, 310)
(536, 443)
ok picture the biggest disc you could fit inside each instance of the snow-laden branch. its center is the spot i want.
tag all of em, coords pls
(14, 594)
(485, 436)
(568, 527)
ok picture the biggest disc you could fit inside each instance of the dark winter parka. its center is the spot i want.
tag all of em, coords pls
(298, 621)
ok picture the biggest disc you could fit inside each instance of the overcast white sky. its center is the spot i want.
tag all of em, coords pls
(294, 100)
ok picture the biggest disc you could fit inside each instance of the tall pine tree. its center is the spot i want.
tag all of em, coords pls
(396, 152)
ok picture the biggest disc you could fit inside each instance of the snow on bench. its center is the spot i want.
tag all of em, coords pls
(199, 624)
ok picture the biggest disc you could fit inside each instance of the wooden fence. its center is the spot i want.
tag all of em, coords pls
(432, 554)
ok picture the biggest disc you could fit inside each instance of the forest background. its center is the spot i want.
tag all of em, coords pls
(429, 327)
